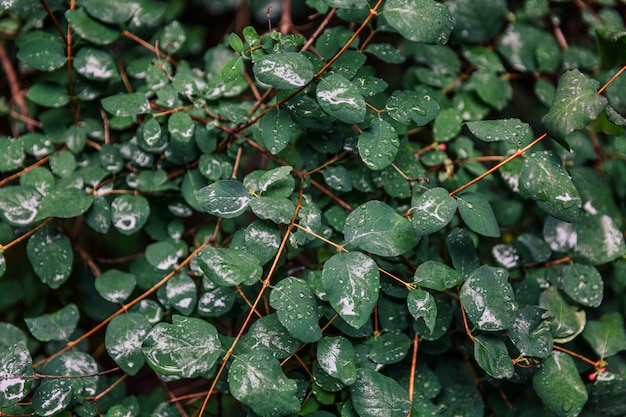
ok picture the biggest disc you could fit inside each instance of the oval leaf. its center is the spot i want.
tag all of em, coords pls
(509, 130)
(556, 372)
(437, 276)
(284, 71)
(125, 105)
(123, 339)
(94, 64)
(378, 145)
(54, 326)
(338, 97)
(50, 254)
(351, 282)
(548, 183)
(491, 354)
(229, 267)
(187, 348)
(375, 395)
(296, 309)
(432, 210)
(422, 304)
(477, 214)
(129, 213)
(224, 198)
(488, 299)
(377, 228)
(423, 21)
(335, 356)
(42, 54)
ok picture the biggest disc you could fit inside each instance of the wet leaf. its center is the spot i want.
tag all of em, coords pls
(256, 377)
(419, 20)
(389, 348)
(229, 267)
(65, 203)
(606, 336)
(575, 104)
(115, 286)
(51, 396)
(335, 356)
(548, 183)
(488, 299)
(530, 332)
(377, 228)
(491, 354)
(338, 97)
(54, 326)
(432, 210)
(378, 145)
(284, 71)
(50, 254)
(375, 395)
(583, 283)
(48, 94)
(42, 54)
(15, 361)
(276, 130)
(123, 340)
(224, 198)
(598, 239)
(296, 309)
(126, 104)
(477, 214)
(421, 304)
(566, 321)
(437, 276)
(129, 213)
(351, 282)
(188, 347)
(19, 205)
(94, 64)
(90, 29)
(510, 130)
(556, 372)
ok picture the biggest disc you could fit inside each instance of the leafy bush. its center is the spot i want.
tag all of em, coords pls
(361, 215)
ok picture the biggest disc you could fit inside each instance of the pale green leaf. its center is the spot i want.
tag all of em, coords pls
(338, 97)
(224, 198)
(284, 71)
(432, 210)
(229, 267)
(123, 340)
(421, 304)
(335, 356)
(606, 336)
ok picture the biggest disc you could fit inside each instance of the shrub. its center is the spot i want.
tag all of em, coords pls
(361, 215)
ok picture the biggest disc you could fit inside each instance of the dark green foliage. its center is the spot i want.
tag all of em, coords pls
(403, 206)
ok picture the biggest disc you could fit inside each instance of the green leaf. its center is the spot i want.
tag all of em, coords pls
(338, 178)
(583, 284)
(347, 4)
(65, 203)
(575, 104)
(419, 20)
(181, 127)
(115, 286)
(126, 104)
(42, 54)
(378, 145)
(432, 210)
(447, 125)
(598, 239)
(217, 302)
(377, 228)
(172, 37)
(95, 64)
(260, 238)
(389, 348)
(488, 299)
(187, 348)
(19, 205)
(422, 304)
(386, 53)
(123, 339)
(89, 29)
(53, 396)
(407, 106)
(476, 212)
(129, 213)
(547, 181)
(98, 217)
(11, 153)
(491, 354)
(335, 356)
(528, 48)
(559, 385)
(276, 130)
(478, 21)
(161, 255)
(231, 70)
(494, 90)
(15, 362)
(48, 94)
(271, 182)
(268, 332)
(236, 43)
(338, 97)
(181, 293)
(257, 380)
(278, 210)
(296, 309)
(284, 71)
(530, 332)
(224, 198)
(611, 43)
(462, 251)
(50, 254)
(377, 395)
(110, 11)
(75, 362)
(229, 267)
(54, 326)
(510, 130)
(606, 336)
(437, 276)
(566, 321)
(62, 163)
(351, 282)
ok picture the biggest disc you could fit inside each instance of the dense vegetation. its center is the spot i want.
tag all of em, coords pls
(320, 207)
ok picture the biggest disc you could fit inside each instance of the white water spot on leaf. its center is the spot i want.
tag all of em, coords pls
(334, 97)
